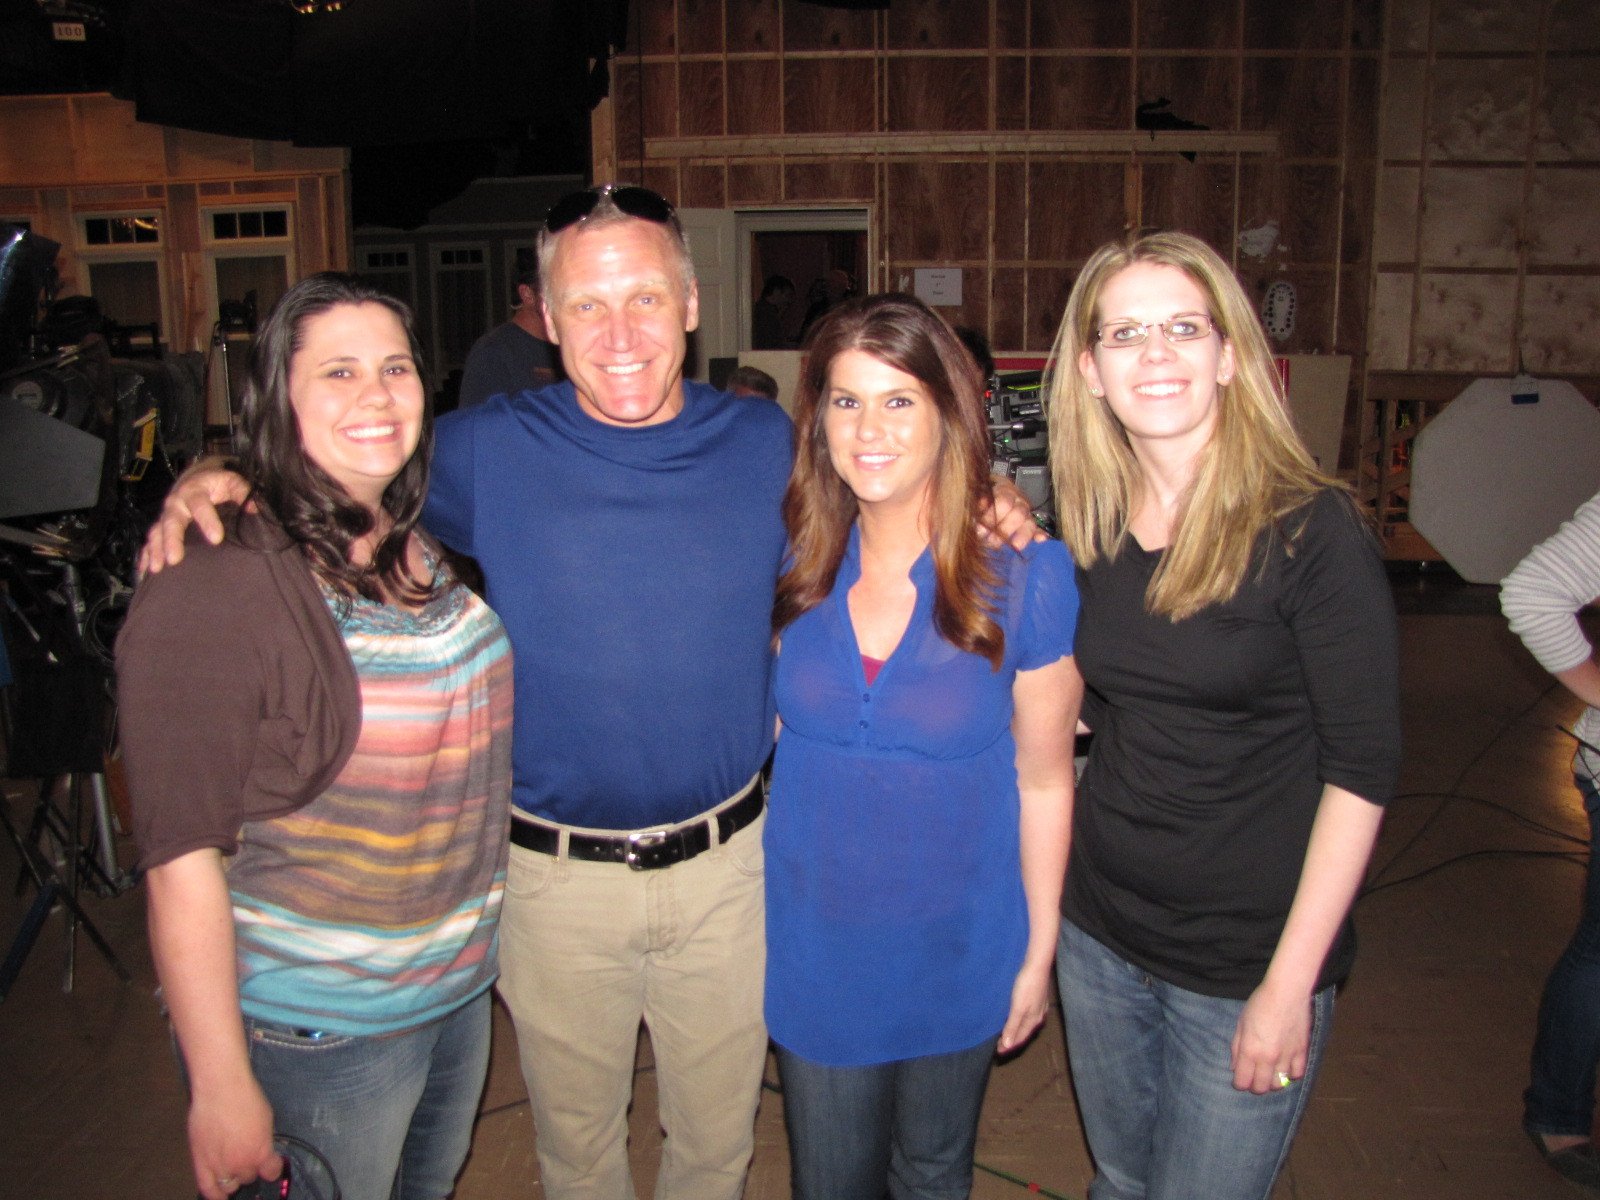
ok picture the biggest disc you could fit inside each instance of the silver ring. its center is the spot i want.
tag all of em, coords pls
(1281, 1080)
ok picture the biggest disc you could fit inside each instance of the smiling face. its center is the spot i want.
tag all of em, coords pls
(883, 431)
(1163, 394)
(357, 397)
(617, 306)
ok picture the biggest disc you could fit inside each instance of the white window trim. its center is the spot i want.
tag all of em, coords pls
(410, 269)
(81, 217)
(436, 355)
(213, 249)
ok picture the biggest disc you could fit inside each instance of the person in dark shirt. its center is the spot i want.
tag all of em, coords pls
(514, 357)
(766, 323)
(1237, 641)
(752, 381)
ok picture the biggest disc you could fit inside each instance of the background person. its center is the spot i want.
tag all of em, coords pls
(830, 289)
(752, 381)
(1237, 640)
(512, 357)
(1542, 598)
(316, 726)
(766, 320)
(922, 788)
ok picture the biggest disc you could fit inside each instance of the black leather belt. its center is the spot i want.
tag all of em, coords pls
(648, 849)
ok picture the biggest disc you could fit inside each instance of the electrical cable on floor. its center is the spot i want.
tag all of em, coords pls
(1449, 794)
(1572, 857)
(1035, 1188)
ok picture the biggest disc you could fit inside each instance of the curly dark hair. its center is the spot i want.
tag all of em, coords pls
(312, 508)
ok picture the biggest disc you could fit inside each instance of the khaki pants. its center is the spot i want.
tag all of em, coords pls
(586, 951)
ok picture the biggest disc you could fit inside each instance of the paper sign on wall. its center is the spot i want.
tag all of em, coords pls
(939, 286)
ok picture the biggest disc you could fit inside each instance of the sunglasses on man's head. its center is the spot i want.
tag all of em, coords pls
(638, 202)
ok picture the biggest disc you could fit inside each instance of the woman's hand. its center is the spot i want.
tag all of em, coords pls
(1030, 1001)
(1272, 1039)
(230, 1140)
(191, 939)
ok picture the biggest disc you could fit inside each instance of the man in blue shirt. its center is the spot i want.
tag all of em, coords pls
(627, 524)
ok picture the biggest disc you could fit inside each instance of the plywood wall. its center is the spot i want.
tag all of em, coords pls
(65, 157)
(1486, 240)
(998, 136)
(1487, 232)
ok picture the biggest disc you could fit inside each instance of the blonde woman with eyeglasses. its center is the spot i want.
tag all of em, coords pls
(1237, 640)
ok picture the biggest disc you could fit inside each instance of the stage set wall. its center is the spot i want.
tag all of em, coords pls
(70, 156)
(1429, 165)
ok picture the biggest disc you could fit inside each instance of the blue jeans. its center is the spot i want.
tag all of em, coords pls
(906, 1128)
(1151, 1064)
(392, 1115)
(1560, 1095)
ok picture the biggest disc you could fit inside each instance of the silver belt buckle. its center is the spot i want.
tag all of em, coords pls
(637, 841)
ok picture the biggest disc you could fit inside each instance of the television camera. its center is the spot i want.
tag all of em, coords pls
(1019, 439)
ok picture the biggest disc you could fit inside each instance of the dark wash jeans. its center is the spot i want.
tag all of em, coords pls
(1560, 1095)
(906, 1129)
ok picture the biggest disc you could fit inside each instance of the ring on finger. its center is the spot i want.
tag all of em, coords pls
(1281, 1080)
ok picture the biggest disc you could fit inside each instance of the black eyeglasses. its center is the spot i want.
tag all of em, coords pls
(638, 202)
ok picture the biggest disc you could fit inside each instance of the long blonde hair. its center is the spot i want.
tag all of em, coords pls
(1252, 474)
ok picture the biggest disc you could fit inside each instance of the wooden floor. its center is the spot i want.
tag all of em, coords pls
(1420, 1098)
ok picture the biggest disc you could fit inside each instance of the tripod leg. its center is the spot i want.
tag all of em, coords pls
(105, 839)
(51, 891)
(27, 934)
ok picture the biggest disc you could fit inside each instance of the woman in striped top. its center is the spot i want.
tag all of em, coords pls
(1542, 598)
(316, 724)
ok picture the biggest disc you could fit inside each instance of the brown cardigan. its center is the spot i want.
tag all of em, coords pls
(238, 700)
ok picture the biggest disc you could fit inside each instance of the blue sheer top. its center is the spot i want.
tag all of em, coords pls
(895, 915)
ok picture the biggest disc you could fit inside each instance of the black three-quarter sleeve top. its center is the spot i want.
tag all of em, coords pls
(1214, 736)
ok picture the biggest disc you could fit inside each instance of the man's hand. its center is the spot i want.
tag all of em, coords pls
(193, 500)
(1009, 518)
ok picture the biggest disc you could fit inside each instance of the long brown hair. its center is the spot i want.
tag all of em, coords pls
(1252, 474)
(819, 507)
(311, 506)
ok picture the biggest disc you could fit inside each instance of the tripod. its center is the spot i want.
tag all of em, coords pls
(54, 886)
(90, 855)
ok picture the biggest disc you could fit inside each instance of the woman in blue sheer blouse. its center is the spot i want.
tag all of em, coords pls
(922, 788)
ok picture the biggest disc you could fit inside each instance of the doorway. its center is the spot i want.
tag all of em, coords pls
(824, 253)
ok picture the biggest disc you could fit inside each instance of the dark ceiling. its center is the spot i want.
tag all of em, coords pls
(427, 94)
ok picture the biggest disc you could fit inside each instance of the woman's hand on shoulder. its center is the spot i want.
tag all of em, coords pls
(1030, 1003)
(1272, 1039)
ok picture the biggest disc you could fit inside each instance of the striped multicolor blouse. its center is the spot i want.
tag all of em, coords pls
(375, 907)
